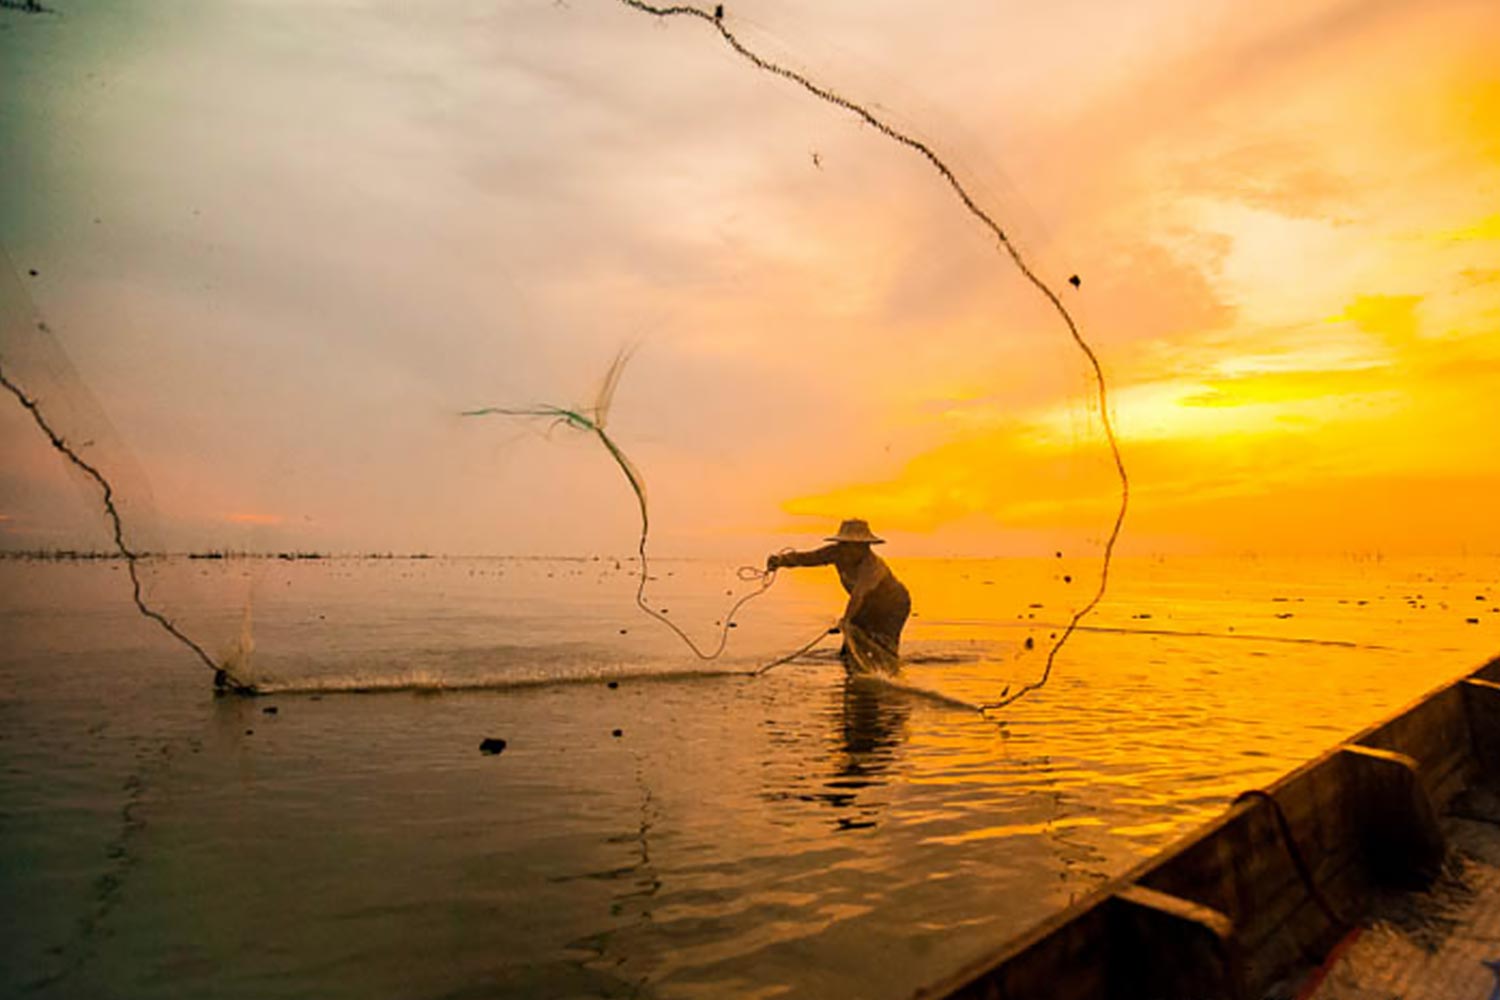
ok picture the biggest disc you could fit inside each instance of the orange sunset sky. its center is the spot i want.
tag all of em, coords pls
(283, 245)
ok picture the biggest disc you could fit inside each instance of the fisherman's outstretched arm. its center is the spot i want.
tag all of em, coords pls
(813, 557)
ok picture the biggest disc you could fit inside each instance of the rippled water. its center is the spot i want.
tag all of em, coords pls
(784, 836)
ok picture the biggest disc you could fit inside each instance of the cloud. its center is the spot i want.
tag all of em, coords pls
(1391, 317)
(1483, 230)
(254, 518)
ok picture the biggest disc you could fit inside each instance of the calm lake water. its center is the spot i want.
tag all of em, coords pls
(786, 836)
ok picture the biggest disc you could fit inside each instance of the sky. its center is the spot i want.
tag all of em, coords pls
(279, 248)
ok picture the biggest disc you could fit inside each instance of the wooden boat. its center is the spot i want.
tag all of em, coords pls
(1255, 899)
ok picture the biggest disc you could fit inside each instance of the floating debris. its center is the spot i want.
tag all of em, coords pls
(491, 745)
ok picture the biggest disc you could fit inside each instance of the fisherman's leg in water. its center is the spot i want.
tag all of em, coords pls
(873, 639)
(871, 651)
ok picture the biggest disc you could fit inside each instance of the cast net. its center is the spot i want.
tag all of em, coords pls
(839, 308)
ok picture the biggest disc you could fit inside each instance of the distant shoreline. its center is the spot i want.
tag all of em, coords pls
(91, 555)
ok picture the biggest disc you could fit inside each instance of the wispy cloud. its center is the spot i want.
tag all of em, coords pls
(245, 518)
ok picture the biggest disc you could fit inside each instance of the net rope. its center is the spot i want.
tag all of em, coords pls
(592, 420)
(223, 678)
(715, 19)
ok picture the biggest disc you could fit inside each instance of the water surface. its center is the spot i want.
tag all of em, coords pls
(790, 835)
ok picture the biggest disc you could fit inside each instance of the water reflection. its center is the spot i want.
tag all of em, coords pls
(872, 728)
(868, 724)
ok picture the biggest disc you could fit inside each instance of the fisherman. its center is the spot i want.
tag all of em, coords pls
(878, 602)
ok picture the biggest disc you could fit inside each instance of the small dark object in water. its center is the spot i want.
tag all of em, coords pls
(613, 685)
(1067, 579)
(734, 624)
(249, 732)
(1058, 554)
(1472, 621)
(1478, 597)
(1285, 614)
(269, 710)
(618, 733)
(624, 631)
(32, 272)
(718, 12)
(491, 745)
(1075, 281)
(1030, 642)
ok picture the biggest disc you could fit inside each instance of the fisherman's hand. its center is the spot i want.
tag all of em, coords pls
(773, 562)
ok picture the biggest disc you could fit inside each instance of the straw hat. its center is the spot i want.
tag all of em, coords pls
(855, 530)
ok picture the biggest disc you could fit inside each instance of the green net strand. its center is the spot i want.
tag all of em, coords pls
(592, 421)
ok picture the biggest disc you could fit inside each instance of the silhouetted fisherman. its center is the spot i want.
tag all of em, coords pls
(878, 602)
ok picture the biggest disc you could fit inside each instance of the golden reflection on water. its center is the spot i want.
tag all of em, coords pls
(797, 832)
